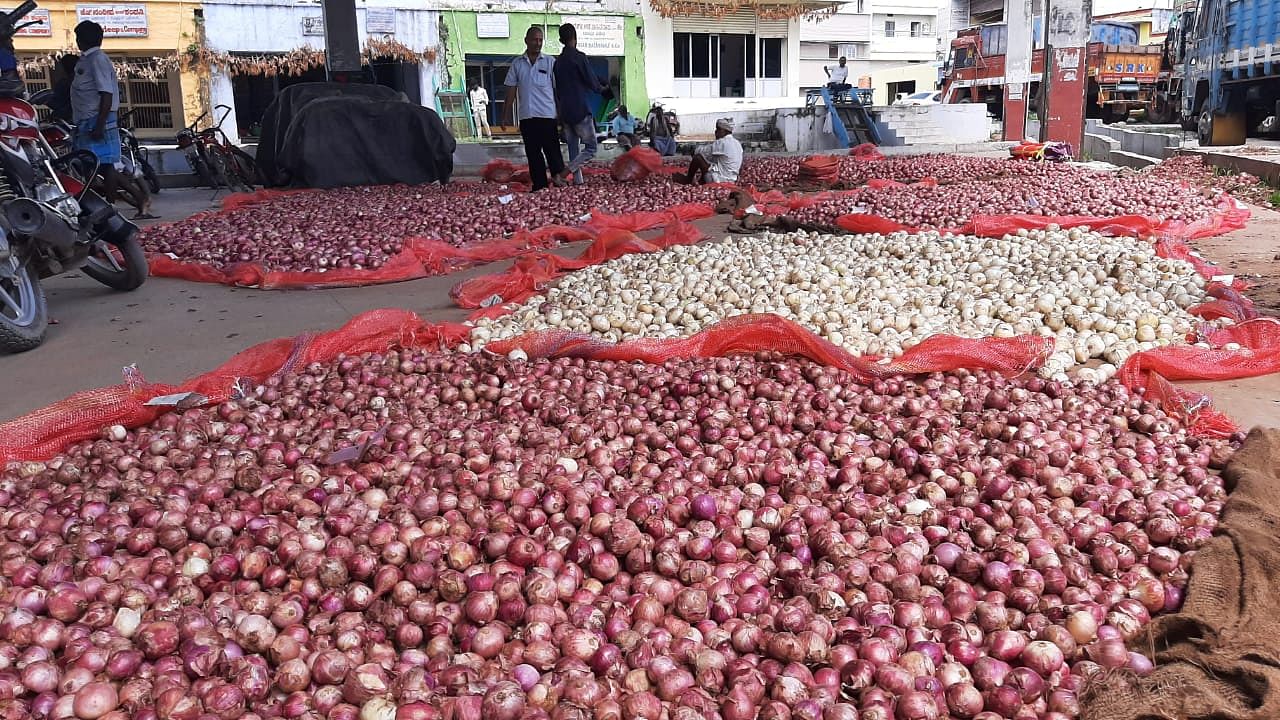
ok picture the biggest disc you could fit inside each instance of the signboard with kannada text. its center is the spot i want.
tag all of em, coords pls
(117, 21)
(380, 21)
(598, 34)
(493, 25)
(313, 25)
(41, 26)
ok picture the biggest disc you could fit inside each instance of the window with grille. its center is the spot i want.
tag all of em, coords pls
(889, 28)
(149, 101)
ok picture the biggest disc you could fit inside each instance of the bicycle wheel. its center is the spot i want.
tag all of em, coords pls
(248, 167)
(219, 170)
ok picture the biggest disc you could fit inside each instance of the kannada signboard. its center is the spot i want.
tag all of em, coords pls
(493, 25)
(598, 34)
(313, 25)
(41, 28)
(380, 21)
(118, 21)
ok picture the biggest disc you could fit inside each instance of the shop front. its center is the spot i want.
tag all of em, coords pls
(479, 48)
(256, 50)
(143, 39)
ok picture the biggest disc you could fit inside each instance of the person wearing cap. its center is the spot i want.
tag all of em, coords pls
(718, 161)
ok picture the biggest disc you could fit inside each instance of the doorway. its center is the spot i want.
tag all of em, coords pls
(733, 63)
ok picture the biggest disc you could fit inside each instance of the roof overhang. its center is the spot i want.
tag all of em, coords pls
(764, 9)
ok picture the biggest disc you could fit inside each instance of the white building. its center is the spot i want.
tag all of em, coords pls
(703, 60)
(872, 34)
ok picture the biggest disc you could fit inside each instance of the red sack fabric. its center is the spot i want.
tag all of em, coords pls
(239, 200)
(772, 333)
(866, 151)
(45, 432)
(531, 273)
(823, 169)
(504, 171)
(635, 164)
(1249, 349)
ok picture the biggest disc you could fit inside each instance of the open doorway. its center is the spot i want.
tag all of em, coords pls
(733, 57)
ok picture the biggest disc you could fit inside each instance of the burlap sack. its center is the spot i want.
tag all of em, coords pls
(1219, 658)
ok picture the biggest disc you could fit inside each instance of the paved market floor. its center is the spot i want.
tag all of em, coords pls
(173, 329)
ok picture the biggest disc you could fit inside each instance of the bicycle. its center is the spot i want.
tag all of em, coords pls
(216, 160)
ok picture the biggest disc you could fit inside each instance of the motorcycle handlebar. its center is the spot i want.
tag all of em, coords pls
(10, 20)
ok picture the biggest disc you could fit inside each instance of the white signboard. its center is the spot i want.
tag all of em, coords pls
(597, 34)
(313, 25)
(380, 21)
(493, 25)
(40, 17)
(1160, 20)
(121, 21)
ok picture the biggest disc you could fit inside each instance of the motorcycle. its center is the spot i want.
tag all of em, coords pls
(136, 157)
(133, 155)
(50, 221)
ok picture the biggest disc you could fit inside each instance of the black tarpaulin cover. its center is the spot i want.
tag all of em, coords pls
(286, 105)
(343, 141)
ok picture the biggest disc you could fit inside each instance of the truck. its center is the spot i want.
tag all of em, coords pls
(1121, 73)
(1220, 71)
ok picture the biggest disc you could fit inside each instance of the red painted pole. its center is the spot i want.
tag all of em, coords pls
(1066, 72)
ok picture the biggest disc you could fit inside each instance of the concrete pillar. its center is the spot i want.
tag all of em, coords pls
(1065, 70)
(1017, 68)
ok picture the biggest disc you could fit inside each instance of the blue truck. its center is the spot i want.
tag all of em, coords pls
(1220, 72)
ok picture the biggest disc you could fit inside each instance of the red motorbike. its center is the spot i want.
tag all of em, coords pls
(50, 221)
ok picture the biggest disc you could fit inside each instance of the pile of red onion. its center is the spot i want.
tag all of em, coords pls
(1075, 192)
(361, 228)
(421, 535)
(781, 172)
(1193, 169)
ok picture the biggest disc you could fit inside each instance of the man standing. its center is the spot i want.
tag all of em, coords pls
(718, 162)
(531, 79)
(94, 102)
(624, 128)
(574, 81)
(838, 76)
(480, 109)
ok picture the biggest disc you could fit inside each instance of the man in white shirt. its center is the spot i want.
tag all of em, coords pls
(838, 76)
(480, 109)
(531, 80)
(717, 162)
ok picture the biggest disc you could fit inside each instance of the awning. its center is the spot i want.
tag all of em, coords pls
(765, 9)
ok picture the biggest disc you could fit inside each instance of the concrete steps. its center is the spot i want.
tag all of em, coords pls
(931, 124)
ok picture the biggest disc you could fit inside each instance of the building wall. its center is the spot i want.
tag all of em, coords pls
(276, 26)
(925, 76)
(659, 69)
(171, 26)
(464, 40)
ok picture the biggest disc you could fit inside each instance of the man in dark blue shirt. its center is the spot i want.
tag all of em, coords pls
(574, 82)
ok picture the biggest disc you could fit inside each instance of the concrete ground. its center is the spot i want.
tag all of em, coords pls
(173, 329)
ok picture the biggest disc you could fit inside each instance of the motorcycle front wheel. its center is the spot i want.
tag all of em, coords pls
(149, 175)
(24, 312)
(118, 264)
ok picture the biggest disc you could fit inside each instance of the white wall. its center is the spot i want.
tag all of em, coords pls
(265, 26)
(660, 80)
(1111, 7)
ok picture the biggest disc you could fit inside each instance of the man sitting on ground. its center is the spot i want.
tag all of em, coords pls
(624, 128)
(717, 162)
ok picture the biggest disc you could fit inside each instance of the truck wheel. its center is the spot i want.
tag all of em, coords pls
(1204, 127)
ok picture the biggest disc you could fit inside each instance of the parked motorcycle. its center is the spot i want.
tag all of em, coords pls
(50, 221)
(136, 157)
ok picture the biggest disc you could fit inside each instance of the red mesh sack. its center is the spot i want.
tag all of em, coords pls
(635, 164)
(819, 169)
(882, 183)
(1230, 214)
(868, 223)
(502, 171)
(768, 332)
(642, 220)
(866, 151)
(239, 200)
(1249, 349)
(45, 432)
